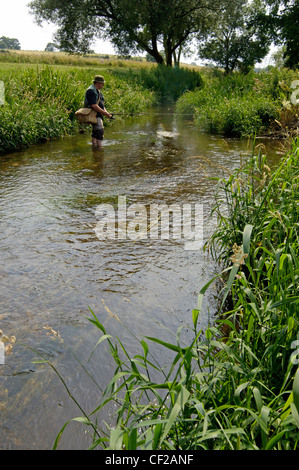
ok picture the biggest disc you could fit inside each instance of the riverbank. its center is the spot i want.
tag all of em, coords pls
(259, 103)
(40, 103)
(235, 386)
(43, 91)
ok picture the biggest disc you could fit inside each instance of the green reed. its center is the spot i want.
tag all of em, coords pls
(242, 105)
(40, 103)
(167, 83)
(235, 384)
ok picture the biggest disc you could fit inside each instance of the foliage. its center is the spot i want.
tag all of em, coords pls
(51, 47)
(290, 32)
(129, 25)
(236, 117)
(9, 43)
(167, 83)
(41, 103)
(281, 22)
(241, 105)
(236, 40)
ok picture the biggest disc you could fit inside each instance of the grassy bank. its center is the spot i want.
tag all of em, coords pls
(240, 105)
(40, 102)
(235, 386)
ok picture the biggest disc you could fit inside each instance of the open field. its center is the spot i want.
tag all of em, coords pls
(76, 60)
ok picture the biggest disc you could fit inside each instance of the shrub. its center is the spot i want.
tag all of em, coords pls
(237, 105)
(169, 83)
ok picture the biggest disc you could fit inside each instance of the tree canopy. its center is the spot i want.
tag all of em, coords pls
(283, 22)
(232, 33)
(131, 25)
(9, 43)
(236, 40)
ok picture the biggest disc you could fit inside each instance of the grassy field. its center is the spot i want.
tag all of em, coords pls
(93, 60)
(68, 60)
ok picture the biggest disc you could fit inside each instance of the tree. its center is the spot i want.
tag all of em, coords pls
(9, 43)
(282, 23)
(290, 33)
(284, 17)
(131, 25)
(51, 47)
(237, 40)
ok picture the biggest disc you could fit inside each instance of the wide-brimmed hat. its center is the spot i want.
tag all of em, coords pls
(99, 79)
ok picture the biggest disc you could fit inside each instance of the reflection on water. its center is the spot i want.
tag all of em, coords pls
(54, 268)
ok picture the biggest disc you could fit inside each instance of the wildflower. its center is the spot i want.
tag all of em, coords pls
(238, 256)
(286, 104)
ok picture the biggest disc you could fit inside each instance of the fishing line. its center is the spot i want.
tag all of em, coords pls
(150, 114)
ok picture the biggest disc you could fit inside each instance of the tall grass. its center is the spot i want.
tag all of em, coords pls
(235, 385)
(170, 83)
(65, 59)
(240, 105)
(40, 103)
(167, 83)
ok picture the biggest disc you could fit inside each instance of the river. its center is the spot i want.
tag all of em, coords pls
(55, 267)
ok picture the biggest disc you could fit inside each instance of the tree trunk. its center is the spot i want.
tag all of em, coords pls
(168, 52)
(177, 56)
(155, 53)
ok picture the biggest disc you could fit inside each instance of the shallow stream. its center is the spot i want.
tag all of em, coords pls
(55, 268)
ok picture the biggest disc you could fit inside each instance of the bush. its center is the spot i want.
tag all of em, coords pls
(169, 83)
(237, 105)
(236, 117)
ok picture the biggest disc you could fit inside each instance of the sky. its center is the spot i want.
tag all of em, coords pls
(16, 22)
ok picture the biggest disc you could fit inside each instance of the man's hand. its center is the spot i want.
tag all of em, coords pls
(108, 115)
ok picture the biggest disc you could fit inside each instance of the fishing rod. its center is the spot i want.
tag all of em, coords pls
(150, 114)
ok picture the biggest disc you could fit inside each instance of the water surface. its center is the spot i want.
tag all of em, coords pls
(54, 268)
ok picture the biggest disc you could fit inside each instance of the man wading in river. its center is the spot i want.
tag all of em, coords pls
(94, 99)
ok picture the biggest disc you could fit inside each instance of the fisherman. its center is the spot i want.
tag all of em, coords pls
(94, 99)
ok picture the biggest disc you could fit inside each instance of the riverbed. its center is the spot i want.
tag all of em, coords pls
(56, 266)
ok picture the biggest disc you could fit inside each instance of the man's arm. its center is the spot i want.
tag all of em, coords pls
(104, 112)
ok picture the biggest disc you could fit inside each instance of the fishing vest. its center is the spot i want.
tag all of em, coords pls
(98, 94)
